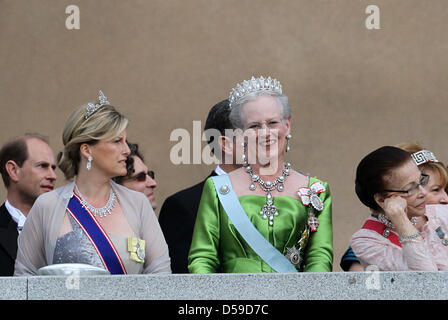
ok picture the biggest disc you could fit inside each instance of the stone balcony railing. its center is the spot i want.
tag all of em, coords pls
(302, 286)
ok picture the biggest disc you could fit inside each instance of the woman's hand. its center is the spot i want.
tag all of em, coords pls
(395, 207)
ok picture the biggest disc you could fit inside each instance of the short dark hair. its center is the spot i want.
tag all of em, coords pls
(130, 162)
(17, 151)
(218, 118)
(372, 170)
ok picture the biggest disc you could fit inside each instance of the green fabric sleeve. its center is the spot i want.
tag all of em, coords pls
(319, 253)
(204, 256)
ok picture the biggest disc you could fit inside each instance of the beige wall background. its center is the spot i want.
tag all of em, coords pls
(165, 63)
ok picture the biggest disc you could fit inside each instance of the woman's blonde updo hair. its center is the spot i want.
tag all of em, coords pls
(439, 167)
(104, 124)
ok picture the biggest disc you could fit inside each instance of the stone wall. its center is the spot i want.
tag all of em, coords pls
(302, 286)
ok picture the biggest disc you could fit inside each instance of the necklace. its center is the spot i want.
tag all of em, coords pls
(385, 220)
(101, 212)
(269, 210)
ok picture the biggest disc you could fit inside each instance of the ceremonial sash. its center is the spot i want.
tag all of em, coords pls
(380, 227)
(247, 230)
(96, 234)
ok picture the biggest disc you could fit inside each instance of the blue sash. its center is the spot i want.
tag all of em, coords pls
(103, 245)
(251, 235)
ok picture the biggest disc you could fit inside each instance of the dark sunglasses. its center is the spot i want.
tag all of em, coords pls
(142, 176)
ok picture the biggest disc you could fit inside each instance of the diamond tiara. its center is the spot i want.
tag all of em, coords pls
(247, 87)
(91, 108)
(423, 156)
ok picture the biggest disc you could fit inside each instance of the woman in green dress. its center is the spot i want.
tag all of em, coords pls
(291, 212)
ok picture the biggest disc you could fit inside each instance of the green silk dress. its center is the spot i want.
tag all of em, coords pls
(218, 247)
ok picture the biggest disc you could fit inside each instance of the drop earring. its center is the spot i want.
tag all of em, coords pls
(89, 163)
(288, 137)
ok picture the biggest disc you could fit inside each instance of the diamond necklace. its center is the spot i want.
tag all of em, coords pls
(385, 220)
(101, 212)
(269, 210)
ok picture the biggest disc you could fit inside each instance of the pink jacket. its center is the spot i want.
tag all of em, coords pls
(373, 249)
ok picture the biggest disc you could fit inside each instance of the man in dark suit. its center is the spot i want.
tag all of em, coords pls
(27, 167)
(178, 213)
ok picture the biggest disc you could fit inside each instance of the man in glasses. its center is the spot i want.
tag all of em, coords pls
(178, 212)
(138, 177)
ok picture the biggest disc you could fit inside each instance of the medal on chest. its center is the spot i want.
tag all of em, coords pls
(441, 235)
(136, 248)
(310, 198)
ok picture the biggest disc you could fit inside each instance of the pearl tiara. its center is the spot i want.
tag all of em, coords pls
(247, 87)
(423, 156)
(91, 108)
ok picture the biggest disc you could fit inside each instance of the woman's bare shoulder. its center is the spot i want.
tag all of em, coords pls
(298, 179)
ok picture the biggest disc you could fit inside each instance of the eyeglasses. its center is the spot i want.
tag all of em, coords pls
(424, 178)
(142, 176)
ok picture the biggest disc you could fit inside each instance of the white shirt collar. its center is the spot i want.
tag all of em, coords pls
(219, 171)
(16, 215)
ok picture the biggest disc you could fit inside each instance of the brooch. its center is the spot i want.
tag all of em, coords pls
(311, 196)
(307, 196)
(294, 253)
(136, 247)
(441, 235)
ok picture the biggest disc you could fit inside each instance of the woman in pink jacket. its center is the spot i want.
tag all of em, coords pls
(402, 232)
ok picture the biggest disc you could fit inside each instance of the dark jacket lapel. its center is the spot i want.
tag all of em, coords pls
(8, 232)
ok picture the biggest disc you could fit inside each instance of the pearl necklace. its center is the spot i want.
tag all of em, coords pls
(101, 212)
(269, 210)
